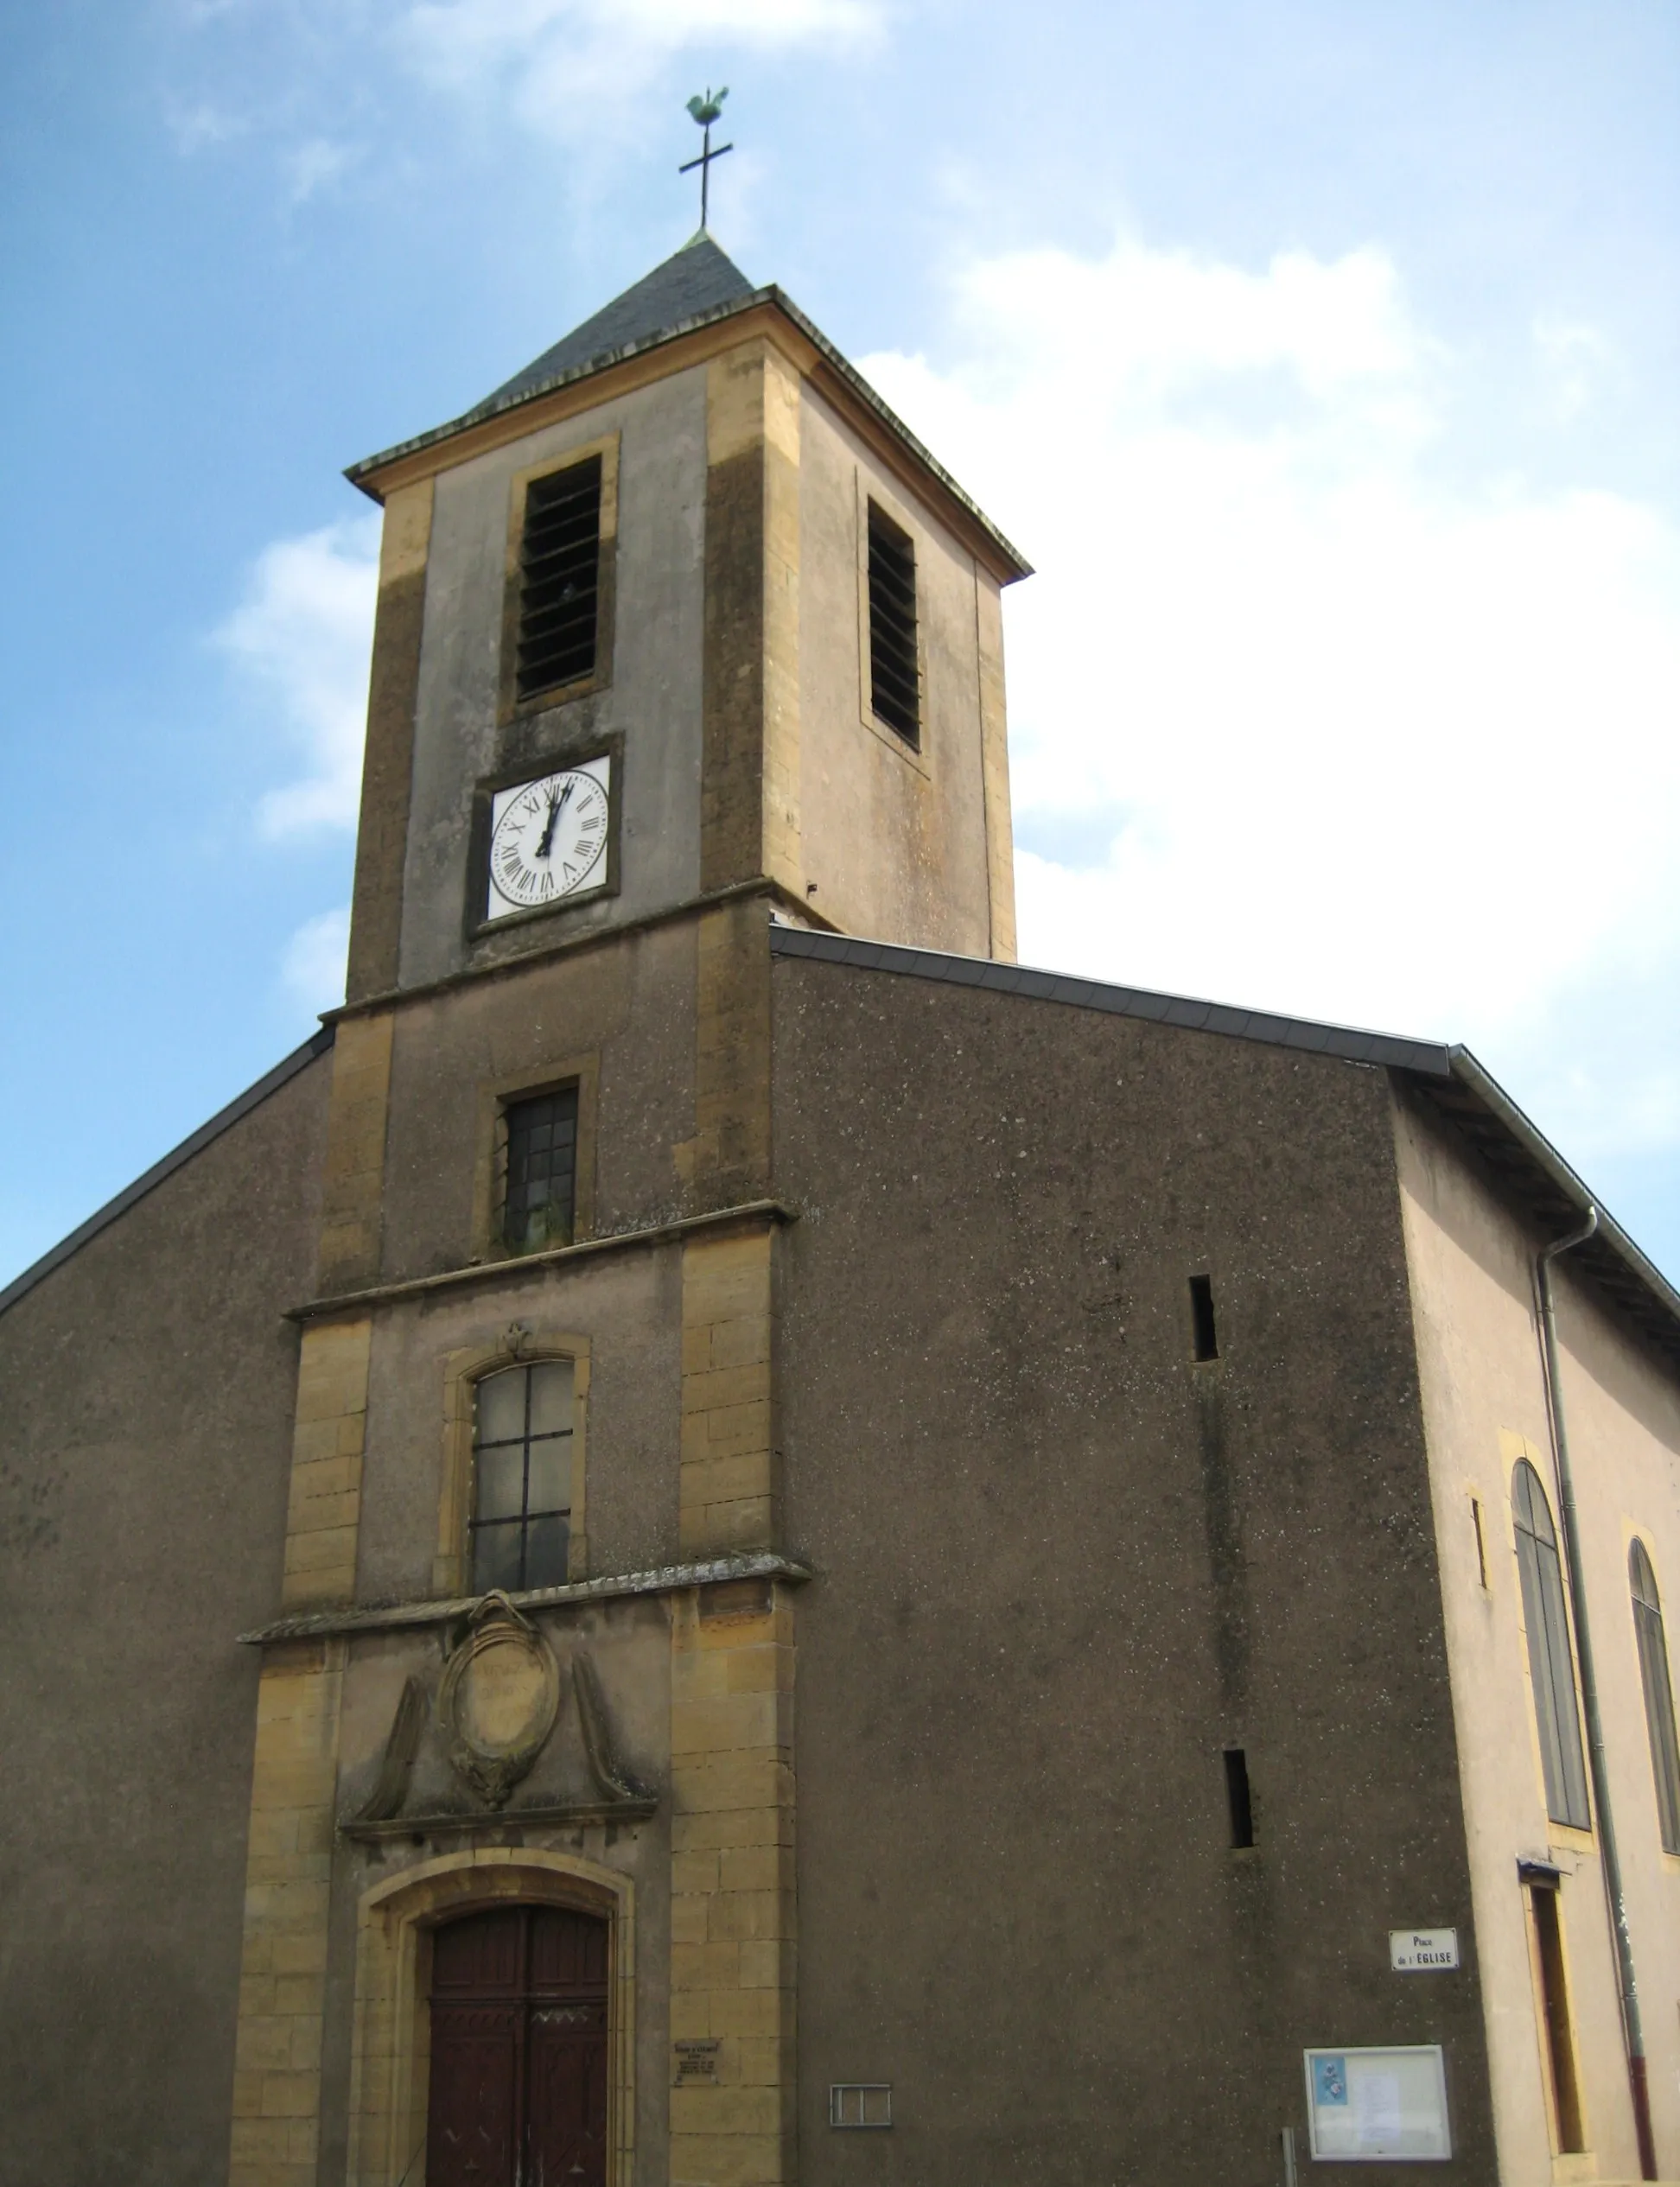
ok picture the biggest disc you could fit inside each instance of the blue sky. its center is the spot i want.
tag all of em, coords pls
(1321, 356)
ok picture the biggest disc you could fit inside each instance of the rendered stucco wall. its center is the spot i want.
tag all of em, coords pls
(1470, 1260)
(894, 839)
(654, 699)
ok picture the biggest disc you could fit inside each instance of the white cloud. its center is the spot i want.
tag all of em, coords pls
(312, 963)
(302, 635)
(316, 165)
(1297, 718)
(196, 123)
(1575, 360)
(577, 67)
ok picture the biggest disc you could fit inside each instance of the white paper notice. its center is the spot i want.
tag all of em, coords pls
(1379, 2104)
(1377, 2113)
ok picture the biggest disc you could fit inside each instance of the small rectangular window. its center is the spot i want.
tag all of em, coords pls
(895, 673)
(541, 1171)
(1238, 1797)
(559, 579)
(860, 2104)
(1205, 1340)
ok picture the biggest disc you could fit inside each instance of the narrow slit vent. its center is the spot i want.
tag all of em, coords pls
(1205, 1336)
(1237, 1795)
(559, 578)
(895, 680)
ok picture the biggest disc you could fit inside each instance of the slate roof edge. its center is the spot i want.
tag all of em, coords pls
(1539, 1149)
(1426, 1059)
(359, 473)
(1431, 1058)
(177, 1158)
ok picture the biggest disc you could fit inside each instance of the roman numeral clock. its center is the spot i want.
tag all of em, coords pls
(548, 840)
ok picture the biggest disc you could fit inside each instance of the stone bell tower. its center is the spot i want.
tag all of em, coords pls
(679, 633)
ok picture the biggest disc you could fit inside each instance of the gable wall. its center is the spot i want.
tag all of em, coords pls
(146, 1385)
(1061, 1568)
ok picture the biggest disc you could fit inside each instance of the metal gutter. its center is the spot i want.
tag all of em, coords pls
(1621, 1937)
(1540, 1151)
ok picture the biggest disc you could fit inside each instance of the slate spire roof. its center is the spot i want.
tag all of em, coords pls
(695, 285)
(692, 282)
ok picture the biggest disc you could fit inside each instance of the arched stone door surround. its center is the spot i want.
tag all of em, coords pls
(391, 2036)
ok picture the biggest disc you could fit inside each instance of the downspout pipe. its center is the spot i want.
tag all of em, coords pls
(1632, 2027)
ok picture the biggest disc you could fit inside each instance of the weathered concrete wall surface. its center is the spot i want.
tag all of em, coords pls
(1471, 1259)
(1062, 1568)
(619, 1019)
(653, 698)
(146, 1387)
(627, 1308)
(894, 839)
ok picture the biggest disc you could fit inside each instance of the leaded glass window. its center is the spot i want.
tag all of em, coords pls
(1552, 1667)
(522, 1458)
(541, 1171)
(1658, 1694)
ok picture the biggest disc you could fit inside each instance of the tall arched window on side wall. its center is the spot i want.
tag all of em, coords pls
(522, 1470)
(1552, 1667)
(1658, 1694)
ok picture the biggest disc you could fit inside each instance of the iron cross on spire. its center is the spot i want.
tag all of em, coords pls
(706, 111)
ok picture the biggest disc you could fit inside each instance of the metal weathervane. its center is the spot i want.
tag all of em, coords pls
(706, 111)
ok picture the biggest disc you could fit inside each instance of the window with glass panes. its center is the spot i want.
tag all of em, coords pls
(541, 1171)
(1658, 1694)
(522, 1456)
(1551, 1665)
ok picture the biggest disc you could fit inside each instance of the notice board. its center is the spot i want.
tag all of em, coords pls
(1378, 2105)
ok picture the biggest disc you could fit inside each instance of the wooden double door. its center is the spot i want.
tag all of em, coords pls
(518, 2093)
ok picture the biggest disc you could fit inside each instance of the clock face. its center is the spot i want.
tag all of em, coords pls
(548, 838)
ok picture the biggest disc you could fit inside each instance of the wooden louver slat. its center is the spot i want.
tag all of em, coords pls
(894, 678)
(559, 578)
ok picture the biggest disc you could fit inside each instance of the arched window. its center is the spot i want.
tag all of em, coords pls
(1551, 1668)
(1658, 1694)
(522, 1454)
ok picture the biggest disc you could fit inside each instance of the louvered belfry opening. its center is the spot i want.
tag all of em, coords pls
(559, 578)
(894, 684)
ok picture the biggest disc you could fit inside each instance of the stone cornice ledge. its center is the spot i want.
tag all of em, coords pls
(519, 1264)
(666, 1579)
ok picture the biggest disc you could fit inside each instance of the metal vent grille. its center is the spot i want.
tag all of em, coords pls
(559, 578)
(894, 683)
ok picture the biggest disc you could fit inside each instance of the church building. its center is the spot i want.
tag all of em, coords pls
(722, 1540)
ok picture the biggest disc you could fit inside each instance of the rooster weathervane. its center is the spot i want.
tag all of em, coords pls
(706, 110)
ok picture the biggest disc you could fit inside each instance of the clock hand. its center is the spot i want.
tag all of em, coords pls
(556, 806)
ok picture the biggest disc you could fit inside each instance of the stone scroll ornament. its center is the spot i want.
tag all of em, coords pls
(499, 1700)
(391, 1786)
(617, 1786)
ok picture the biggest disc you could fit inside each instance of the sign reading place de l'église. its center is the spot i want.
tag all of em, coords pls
(1423, 1951)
